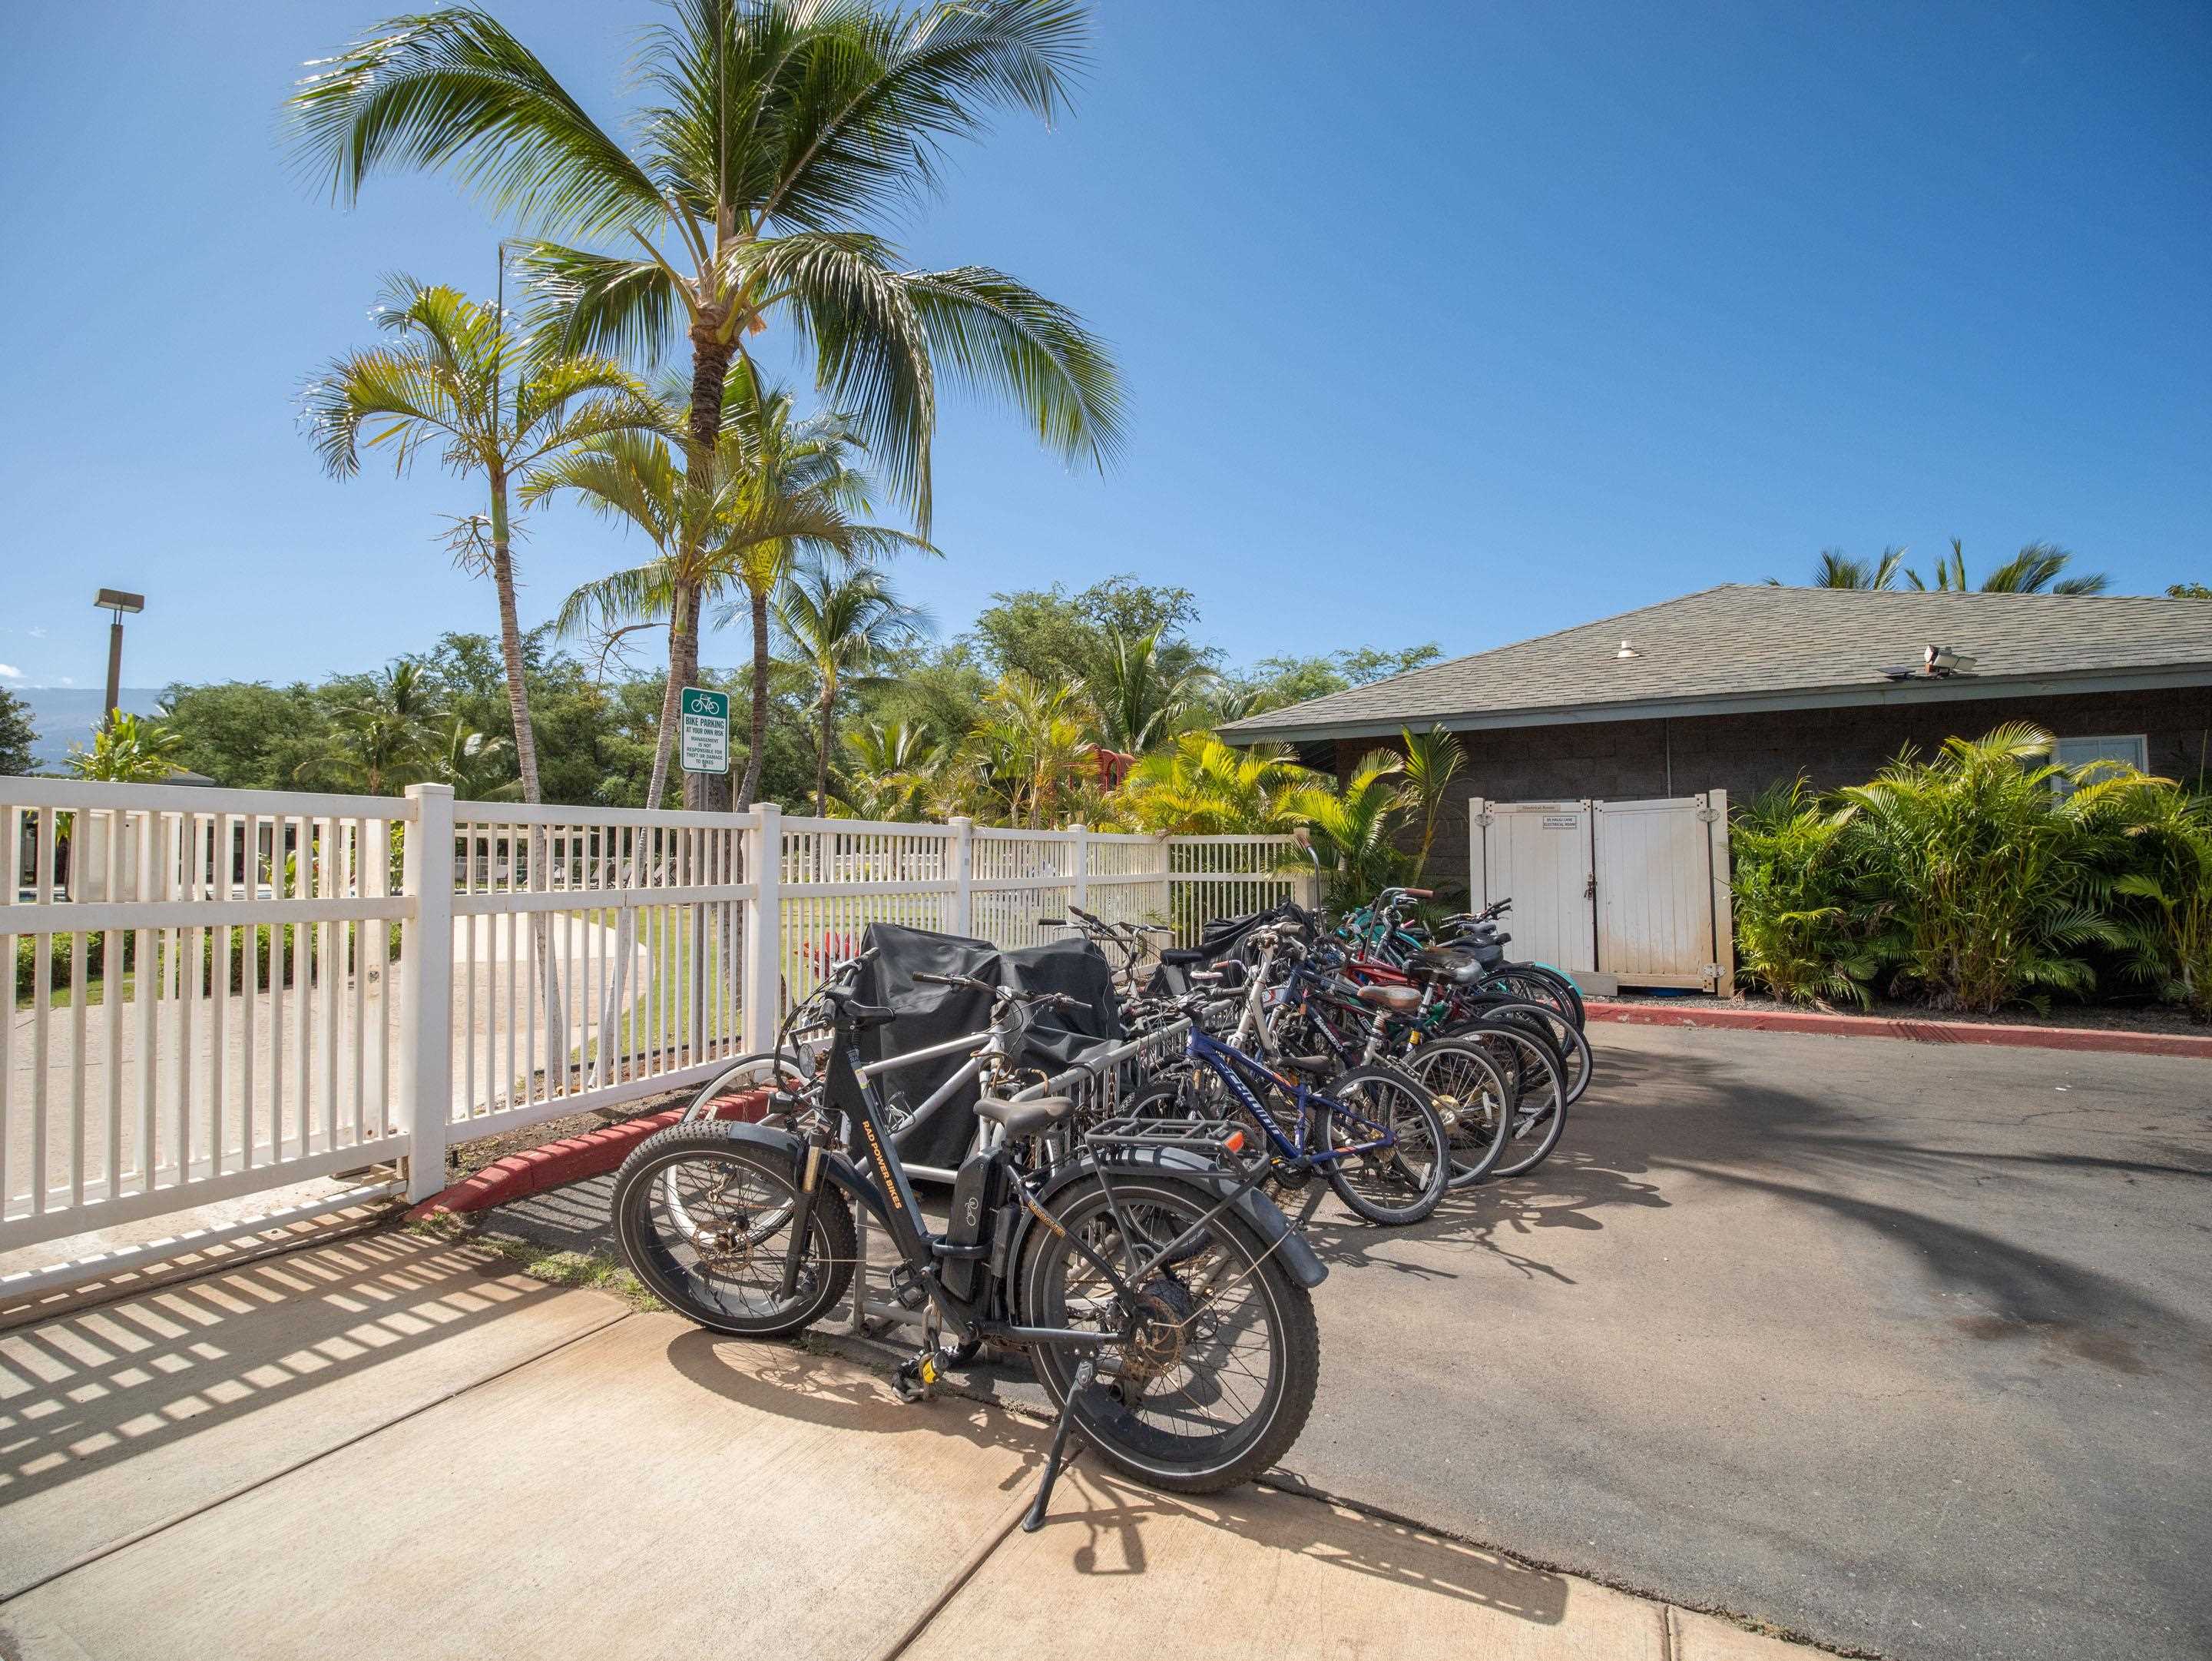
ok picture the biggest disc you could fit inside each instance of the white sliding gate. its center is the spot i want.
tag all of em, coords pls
(291, 986)
(1635, 889)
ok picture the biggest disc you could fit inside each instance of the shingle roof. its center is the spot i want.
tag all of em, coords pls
(1765, 647)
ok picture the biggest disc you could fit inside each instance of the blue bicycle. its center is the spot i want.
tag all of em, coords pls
(1373, 1132)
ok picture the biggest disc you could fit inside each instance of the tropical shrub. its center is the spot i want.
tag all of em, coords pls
(1803, 929)
(1984, 868)
(2165, 902)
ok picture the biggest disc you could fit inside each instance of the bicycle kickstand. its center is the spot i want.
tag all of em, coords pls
(1086, 1371)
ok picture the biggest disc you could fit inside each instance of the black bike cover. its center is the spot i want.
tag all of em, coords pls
(934, 1015)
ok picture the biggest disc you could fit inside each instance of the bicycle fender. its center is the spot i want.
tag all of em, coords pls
(839, 1166)
(1183, 1165)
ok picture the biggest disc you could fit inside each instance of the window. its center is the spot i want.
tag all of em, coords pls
(2132, 748)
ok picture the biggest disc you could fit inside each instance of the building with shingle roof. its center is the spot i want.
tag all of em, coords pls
(1739, 686)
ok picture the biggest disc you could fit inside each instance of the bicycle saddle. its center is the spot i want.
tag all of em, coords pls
(1182, 957)
(1396, 999)
(1025, 1118)
(857, 1015)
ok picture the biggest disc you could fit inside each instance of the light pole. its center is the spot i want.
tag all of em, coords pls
(115, 601)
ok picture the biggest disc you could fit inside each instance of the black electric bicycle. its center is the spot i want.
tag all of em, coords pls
(1165, 1302)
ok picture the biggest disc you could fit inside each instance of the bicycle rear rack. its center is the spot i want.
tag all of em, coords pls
(1218, 1139)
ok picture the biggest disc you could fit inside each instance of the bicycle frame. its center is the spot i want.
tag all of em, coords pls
(1239, 1071)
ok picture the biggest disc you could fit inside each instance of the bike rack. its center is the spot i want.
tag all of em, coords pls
(1097, 1084)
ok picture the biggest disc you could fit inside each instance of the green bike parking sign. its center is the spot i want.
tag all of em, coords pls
(705, 730)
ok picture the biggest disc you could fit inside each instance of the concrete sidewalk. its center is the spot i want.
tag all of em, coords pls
(390, 1446)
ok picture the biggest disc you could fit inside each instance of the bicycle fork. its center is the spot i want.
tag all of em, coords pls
(802, 1211)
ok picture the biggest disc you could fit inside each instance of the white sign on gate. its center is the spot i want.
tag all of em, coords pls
(706, 731)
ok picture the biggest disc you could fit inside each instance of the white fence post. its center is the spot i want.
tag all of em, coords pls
(426, 977)
(763, 987)
(964, 874)
(1724, 896)
(1082, 845)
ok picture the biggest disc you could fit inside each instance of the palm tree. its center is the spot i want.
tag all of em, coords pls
(1355, 828)
(1030, 748)
(890, 768)
(386, 737)
(128, 749)
(1200, 786)
(843, 623)
(737, 524)
(788, 460)
(1140, 694)
(1432, 762)
(2033, 570)
(781, 129)
(456, 376)
(1838, 569)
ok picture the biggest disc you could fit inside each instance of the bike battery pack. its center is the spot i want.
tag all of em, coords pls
(967, 1235)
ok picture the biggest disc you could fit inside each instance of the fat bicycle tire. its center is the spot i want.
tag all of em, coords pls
(667, 1246)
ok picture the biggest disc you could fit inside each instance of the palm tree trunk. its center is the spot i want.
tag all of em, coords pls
(710, 372)
(683, 663)
(822, 761)
(699, 792)
(525, 741)
(758, 741)
(510, 643)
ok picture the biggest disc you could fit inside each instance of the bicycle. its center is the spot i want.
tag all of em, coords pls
(1166, 1302)
(1371, 1123)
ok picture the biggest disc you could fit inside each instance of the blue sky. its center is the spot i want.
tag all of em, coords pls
(1441, 321)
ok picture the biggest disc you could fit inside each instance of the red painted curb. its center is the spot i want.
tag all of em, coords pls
(571, 1159)
(1929, 1031)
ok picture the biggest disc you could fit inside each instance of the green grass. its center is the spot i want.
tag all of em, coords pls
(561, 1269)
(63, 996)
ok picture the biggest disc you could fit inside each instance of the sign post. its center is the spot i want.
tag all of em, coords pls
(705, 730)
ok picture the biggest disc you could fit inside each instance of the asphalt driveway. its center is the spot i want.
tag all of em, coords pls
(1905, 1346)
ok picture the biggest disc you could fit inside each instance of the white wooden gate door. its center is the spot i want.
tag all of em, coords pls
(1655, 891)
(1635, 889)
(1538, 854)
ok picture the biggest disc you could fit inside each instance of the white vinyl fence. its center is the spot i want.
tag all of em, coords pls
(255, 988)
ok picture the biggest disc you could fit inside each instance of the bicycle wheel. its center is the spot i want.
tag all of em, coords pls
(715, 1253)
(1540, 1107)
(762, 1070)
(1465, 1081)
(1215, 1372)
(1401, 1181)
(1564, 1035)
(1539, 985)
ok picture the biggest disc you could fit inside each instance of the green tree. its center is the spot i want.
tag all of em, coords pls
(248, 735)
(1979, 860)
(2189, 591)
(2168, 934)
(17, 736)
(1838, 569)
(1355, 831)
(455, 376)
(889, 770)
(384, 733)
(779, 489)
(841, 621)
(1433, 760)
(2037, 568)
(780, 133)
(1058, 638)
(1199, 785)
(1142, 692)
(128, 749)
